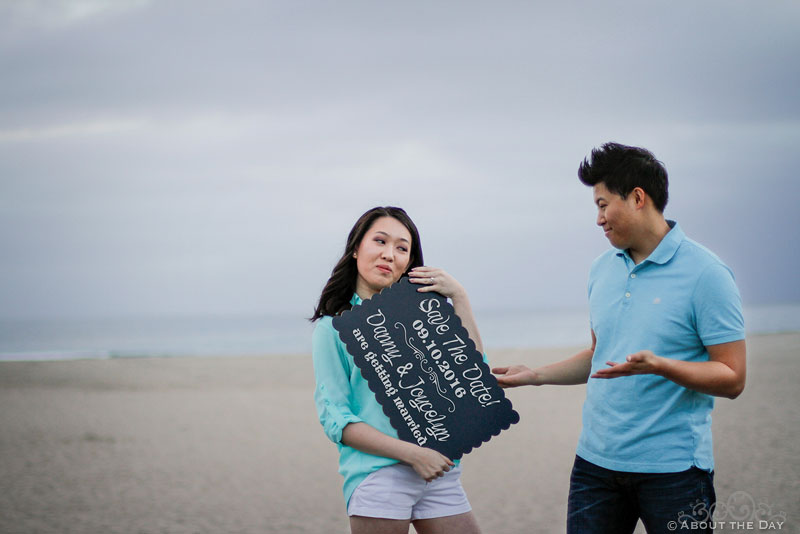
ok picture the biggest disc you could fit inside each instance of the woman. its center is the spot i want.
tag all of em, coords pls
(388, 483)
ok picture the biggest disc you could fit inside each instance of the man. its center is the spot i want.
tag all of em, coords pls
(667, 336)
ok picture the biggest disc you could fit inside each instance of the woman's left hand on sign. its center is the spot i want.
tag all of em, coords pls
(434, 279)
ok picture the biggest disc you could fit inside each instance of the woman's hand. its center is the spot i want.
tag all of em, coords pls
(430, 464)
(433, 279)
(427, 463)
(438, 280)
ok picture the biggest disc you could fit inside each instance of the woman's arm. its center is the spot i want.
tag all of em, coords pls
(428, 463)
(332, 382)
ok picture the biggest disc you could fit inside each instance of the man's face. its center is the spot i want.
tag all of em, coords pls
(616, 216)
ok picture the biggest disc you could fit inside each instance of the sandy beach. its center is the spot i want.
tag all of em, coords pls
(232, 445)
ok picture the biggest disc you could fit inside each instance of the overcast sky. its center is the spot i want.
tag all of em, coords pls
(184, 157)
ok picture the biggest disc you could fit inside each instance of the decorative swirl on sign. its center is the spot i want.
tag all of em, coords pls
(418, 353)
(429, 371)
(435, 379)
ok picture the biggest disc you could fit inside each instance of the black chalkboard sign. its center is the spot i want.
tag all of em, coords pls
(424, 369)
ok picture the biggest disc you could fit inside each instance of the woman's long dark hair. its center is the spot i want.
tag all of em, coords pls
(341, 285)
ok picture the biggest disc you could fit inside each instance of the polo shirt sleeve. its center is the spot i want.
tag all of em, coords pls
(718, 306)
(333, 393)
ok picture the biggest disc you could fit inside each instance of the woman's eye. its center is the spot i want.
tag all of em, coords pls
(379, 240)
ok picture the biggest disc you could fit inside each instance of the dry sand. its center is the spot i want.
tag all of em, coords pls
(232, 445)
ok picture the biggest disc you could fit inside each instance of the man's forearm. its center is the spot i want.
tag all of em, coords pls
(711, 378)
(722, 375)
(574, 370)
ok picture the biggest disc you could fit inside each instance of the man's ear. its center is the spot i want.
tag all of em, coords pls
(639, 197)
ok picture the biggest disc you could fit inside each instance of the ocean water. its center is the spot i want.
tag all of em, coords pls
(73, 338)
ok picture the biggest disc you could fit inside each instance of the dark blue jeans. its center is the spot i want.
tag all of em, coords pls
(602, 501)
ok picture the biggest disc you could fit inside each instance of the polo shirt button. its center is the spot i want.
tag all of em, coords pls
(633, 275)
(627, 295)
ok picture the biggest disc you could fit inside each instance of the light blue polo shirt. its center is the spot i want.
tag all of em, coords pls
(679, 300)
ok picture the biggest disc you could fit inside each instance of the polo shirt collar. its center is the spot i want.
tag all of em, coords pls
(666, 248)
(356, 300)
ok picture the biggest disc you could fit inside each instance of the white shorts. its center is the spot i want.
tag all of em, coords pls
(398, 492)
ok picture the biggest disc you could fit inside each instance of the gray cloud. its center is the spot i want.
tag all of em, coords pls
(169, 157)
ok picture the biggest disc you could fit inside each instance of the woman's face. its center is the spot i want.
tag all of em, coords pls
(382, 256)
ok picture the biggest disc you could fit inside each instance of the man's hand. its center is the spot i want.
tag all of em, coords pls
(640, 363)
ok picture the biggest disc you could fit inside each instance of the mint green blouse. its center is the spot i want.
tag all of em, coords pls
(342, 397)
